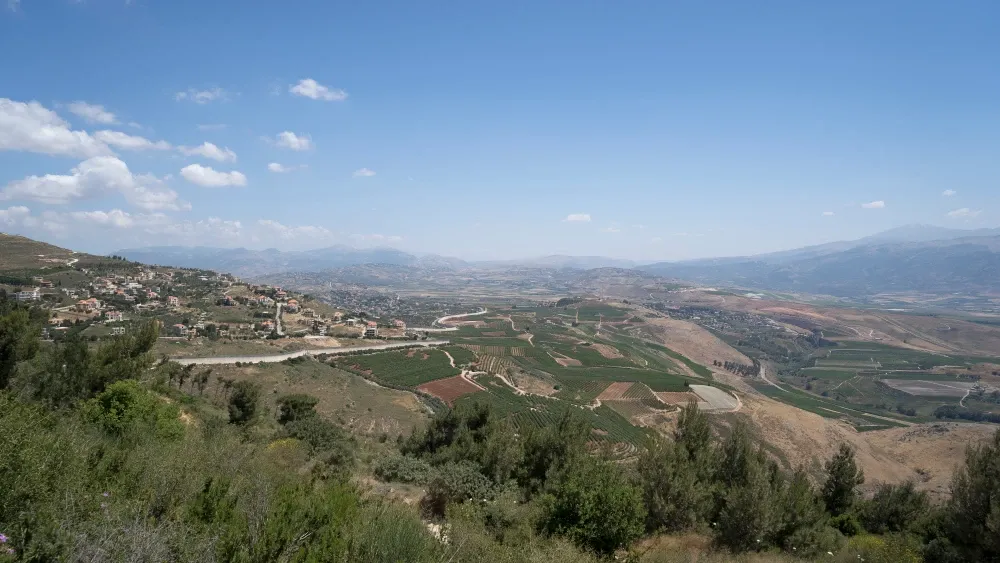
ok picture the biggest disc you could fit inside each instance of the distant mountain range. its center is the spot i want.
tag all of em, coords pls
(910, 258)
(244, 262)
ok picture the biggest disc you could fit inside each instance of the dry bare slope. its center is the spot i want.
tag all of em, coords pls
(927, 454)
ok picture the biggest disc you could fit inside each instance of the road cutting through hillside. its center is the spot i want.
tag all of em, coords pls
(314, 352)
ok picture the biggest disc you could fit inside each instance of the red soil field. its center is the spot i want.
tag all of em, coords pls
(449, 389)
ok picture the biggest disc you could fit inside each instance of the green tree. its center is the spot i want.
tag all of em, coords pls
(295, 407)
(842, 480)
(596, 506)
(243, 402)
(974, 508)
(675, 495)
(18, 342)
(894, 508)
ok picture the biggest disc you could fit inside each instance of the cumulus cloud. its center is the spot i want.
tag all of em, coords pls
(874, 205)
(611, 230)
(578, 217)
(93, 113)
(290, 140)
(209, 150)
(14, 215)
(279, 168)
(94, 177)
(948, 193)
(207, 177)
(364, 173)
(202, 96)
(32, 127)
(128, 142)
(963, 213)
(828, 214)
(309, 88)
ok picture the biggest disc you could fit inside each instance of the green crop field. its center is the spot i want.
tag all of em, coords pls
(656, 380)
(399, 369)
(461, 355)
(827, 408)
(830, 374)
(527, 411)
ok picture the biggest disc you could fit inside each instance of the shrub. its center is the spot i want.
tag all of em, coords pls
(596, 507)
(402, 469)
(126, 406)
(455, 483)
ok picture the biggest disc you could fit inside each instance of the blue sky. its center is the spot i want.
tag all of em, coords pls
(644, 130)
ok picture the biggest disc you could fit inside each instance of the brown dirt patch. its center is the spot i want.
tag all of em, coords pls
(926, 454)
(567, 362)
(449, 389)
(694, 342)
(609, 352)
(615, 391)
(534, 385)
(494, 334)
(411, 352)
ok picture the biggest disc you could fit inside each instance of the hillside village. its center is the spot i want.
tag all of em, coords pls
(108, 296)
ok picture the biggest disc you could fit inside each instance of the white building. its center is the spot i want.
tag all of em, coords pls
(28, 295)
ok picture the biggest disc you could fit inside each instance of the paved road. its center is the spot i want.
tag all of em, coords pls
(313, 352)
(449, 318)
(277, 320)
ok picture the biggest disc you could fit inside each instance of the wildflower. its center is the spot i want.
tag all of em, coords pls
(10, 551)
(105, 494)
(3, 538)
(104, 505)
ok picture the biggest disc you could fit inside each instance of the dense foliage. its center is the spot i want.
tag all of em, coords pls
(106, 455)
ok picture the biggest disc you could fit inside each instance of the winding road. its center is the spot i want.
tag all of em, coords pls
(313, 352)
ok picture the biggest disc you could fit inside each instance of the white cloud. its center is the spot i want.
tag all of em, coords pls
(309, 88)
(948, 193)
(290, 140)
(578, 217)
(376, 238)
(202, 96)
(93, 113)
(656, 240)
(13, 4)
(14, 215)
(209, 150)
(364, 173)
(101, 175)
(286, 232)
(963, 213)
(128, 142)
(209, 178)
(33, 128)
(279, 168)
(212, 126)
(874, 205)
(611, 230)
(828, 214)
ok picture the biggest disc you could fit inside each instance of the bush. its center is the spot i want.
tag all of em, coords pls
(455, 483)
(295, 407)
(125, 406)
(402, 469)
(596, 507)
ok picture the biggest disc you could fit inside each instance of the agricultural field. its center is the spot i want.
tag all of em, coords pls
(409, 368)
(450, 389)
